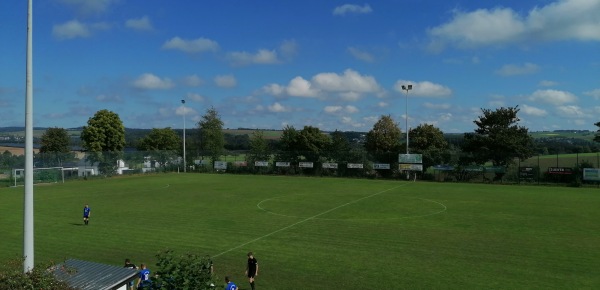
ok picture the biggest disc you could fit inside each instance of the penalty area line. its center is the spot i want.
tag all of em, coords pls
(305, 220)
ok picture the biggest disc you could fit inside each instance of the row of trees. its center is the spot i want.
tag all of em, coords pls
(498, 139)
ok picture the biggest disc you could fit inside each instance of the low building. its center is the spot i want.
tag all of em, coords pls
(86, 275)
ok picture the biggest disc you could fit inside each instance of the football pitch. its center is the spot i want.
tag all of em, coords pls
(323, 233)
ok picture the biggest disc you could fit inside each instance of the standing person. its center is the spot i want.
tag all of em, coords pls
(129, 265)
(230, 285)
(144, 276)
(208, 265)
(87, 212)
(251, 269)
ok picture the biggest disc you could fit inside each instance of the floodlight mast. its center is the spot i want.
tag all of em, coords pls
(406, 88)
(28, 188)
(184, 110)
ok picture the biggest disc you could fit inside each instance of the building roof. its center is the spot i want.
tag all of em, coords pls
(89, 275)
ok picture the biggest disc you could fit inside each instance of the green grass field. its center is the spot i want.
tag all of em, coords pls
(324, 233)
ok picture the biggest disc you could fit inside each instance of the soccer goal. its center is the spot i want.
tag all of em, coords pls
(40, 175)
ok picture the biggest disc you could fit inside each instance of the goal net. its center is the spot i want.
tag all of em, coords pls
(40, 175)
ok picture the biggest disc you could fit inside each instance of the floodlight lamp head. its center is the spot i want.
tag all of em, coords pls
(410, 87)
(183, 101)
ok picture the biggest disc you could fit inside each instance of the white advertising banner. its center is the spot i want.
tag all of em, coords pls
(305, 164)
(330, 165)
(355, 165)
(261, 163)
(381, 166)
(282, 164)
(221, 165)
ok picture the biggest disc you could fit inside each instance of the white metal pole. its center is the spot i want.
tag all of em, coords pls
(406, 115)
(184, 111)
(28, 199)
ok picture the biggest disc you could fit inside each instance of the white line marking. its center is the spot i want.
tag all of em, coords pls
(444, 208)
(304, 220)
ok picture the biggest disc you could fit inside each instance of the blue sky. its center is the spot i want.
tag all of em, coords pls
(330, 64)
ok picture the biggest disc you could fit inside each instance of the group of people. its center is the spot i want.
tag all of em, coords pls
(251, 272)
(144, 274)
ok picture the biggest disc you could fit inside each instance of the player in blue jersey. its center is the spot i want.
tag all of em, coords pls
(230, 285)
(144, 276)
(87, 212)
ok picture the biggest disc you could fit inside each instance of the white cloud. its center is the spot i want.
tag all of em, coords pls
(533, 111)
(554, 97)
(350, 81)
(594, 93)
(139, 23)
(286, 51)
(332, 109)
(513, 69)
(185, 110)
(351, 109)
(382, 104)
(195, 97)
(262, 56)
(300, 87)
(278, 108)
(149, 81)
(352, 8)
(423, 89)
(70, 29)
(547, 83)
(193, 81)
(361, 55)
(560, 20)
(350, 86)
(570, 111)
(437, 106)
(340, 109)
(274, 89)
(597, 109)
(191, 46)
(225, 81)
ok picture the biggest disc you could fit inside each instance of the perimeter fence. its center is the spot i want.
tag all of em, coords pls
(563, 169)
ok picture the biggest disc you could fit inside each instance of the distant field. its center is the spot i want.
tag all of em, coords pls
(579, 135)
(15, 150)
(324, 233)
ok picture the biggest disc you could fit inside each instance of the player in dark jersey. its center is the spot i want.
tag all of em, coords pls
(251, 269)
(129, 265)
(87, 212)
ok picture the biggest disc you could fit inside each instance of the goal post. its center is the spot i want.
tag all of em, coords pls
(40, 175)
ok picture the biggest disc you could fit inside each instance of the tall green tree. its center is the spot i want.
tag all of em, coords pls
(597, 137)
(383, 141)
(160, 139)
(104, 139)
(429, 141)
(339, 148)
(288, 145)
(212, 140)
(259, 147)
(498, 138)
(55, 140)
(312, 143)
(162, 144)
(55, 149)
